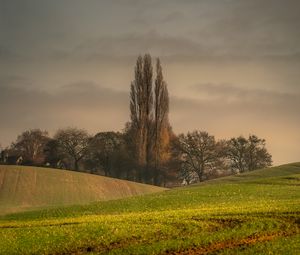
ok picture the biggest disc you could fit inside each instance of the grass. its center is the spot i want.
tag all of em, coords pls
(26, 188)
(252, 213)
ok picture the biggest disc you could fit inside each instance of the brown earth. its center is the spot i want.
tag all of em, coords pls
(26, 188)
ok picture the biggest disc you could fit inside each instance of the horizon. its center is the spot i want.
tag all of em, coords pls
(232, 67)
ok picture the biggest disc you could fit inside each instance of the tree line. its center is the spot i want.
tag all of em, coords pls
(147, 150)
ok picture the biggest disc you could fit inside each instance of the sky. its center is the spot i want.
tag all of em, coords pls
(232, 66)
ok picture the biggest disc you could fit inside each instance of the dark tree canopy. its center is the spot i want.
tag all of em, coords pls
(74, 143)
(200, 154)
(105, 151)
(248, 154)
(30, 146)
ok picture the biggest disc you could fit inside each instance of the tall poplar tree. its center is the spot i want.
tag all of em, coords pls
(161, 123)
(149, 118)
(141, 104)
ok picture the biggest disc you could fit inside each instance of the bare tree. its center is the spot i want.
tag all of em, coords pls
(1, 154)
(162, 128)
(105, 151)
(257, 154)
(30, 146)
(141, 103)
(236, 151)
(248, 154)
(149, 119)
(74, 142)
(199, 153)
(55, 156)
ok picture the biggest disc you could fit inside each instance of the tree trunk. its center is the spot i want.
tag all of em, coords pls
(76, 165)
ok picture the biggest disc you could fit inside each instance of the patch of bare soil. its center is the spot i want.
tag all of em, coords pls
(213, 248)
(231, 244)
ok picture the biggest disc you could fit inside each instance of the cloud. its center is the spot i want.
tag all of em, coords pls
(232, 29)
(249, 43)
(88, 105)
(225, 107)
(6, 53)
(132, 44)
(126, 46)
(231, 93)
(82, 104)
(236, 111)
(257, 28)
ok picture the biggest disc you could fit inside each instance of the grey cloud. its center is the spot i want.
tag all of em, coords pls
(5, 53)
(250, 43)
(14, 80)
(281, 107)
(175, 16)
(89, 93)
(255, 27)
(274, 117)
(82, 104)
(135, 44)
(191, 29)
(175, 48)
(231, 28)
(87, 105)
(278, 124)
(230, 92)
(225, 107)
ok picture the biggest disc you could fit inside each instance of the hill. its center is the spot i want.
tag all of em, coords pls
(25, 188)
(252, 213)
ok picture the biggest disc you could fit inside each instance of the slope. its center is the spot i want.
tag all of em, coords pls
(24, 188)
(251, 213)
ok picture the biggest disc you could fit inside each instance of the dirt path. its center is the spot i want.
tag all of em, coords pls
(231, 244)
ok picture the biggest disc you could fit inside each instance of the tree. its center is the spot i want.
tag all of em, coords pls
(248, 154)
(149, 119)
(131, 166)
(74, 143)
(236, 152)
(200, 154)
(1, 154)
(30, 146)
(105, 152)
(4, 154)
(141, 103)
(54, 155)
(257, 154)
(162, 128)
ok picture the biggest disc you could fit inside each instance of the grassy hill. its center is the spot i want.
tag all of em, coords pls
(252, 213)
(25, 188)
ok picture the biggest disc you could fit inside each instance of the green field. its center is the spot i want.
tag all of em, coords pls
(253, 213)
(25, 188)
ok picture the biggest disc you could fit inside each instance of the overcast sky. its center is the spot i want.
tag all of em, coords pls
(232, 66)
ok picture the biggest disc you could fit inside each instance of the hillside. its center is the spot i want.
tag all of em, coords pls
(251, 213)
(24, 188)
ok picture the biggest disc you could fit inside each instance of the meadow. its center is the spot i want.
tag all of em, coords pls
(252, 213)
